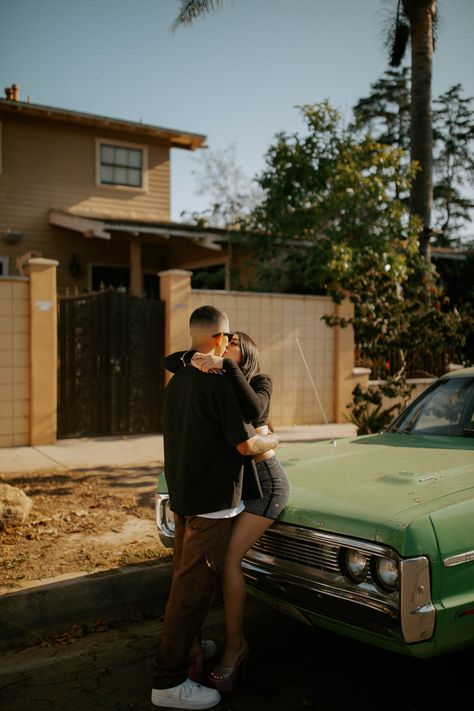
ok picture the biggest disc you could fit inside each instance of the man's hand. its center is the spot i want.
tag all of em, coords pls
(258, 444)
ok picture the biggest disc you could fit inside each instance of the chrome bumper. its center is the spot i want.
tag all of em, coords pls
(326, 592)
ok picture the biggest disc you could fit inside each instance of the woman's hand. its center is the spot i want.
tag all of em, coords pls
(207, 363)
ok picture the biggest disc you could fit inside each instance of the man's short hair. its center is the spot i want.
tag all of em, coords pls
(207, 316)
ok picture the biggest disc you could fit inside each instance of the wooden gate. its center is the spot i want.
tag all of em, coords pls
(110, 365)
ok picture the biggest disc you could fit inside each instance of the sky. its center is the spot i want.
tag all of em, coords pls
(235, 75)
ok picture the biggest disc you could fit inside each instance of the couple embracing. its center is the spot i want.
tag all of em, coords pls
(226, 488)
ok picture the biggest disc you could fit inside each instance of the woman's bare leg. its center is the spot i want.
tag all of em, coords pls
(246, 530)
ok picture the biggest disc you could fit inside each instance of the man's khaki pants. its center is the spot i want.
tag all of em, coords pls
(200, 547)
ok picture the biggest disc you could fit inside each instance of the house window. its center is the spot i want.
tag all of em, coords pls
(3, 266)
(120, 164)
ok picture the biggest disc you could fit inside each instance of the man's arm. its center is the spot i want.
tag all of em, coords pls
(258, 444)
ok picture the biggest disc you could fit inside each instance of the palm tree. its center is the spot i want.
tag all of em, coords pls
(415, 21)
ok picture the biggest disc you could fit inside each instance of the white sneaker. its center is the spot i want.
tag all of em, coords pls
(187, 695)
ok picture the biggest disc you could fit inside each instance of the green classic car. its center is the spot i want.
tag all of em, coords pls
(377, 540)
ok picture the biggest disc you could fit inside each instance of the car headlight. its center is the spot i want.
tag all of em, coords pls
(356, 564)
(387, 573)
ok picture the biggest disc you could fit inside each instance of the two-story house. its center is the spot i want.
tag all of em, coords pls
(90, 195)
(93, 193)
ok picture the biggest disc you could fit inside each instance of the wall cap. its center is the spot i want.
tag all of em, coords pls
(42, 261)
(361, 371)
(235, 292)
(175, 272)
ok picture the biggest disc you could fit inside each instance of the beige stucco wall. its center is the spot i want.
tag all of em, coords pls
(28, 356)
(275, 321)
(14, 361)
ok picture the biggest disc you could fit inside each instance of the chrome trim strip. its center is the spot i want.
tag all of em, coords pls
(459, 559)
(252, 569)
(417, 612)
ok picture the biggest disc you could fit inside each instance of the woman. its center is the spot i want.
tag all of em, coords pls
(253, 390)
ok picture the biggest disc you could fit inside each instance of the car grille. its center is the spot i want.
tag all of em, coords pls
(312, 554)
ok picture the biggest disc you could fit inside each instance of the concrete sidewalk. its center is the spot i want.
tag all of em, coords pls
(90, 452)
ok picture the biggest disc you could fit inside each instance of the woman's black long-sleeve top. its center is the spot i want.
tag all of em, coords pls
(253, 397)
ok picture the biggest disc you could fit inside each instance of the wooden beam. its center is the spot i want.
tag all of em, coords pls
(89, 228)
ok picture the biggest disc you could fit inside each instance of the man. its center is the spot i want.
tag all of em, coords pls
(205, 439)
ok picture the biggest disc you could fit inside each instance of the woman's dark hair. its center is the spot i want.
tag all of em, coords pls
(250, 363)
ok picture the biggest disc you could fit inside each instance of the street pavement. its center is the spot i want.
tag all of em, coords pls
(292, 667)
(111, 669)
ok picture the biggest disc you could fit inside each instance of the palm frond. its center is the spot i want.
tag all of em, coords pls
(399, 43)
(400, 35)
(191, 9)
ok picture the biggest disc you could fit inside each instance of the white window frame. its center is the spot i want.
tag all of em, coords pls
(5, 262)
(122, 144)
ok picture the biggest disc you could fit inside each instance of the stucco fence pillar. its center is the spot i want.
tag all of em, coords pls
(274, 320)
(175, 292)
(43, 350)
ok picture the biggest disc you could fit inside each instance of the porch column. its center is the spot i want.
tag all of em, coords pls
(175, 292)
(136, 278)
(43, 350)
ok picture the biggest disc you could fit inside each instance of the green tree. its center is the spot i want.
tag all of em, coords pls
(330, 222)
(415, 21)
(453, 161)
(385, 114)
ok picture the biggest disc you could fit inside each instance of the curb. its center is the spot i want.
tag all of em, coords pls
(29, 616)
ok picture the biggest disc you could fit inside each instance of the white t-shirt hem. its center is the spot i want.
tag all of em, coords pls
(225, 513)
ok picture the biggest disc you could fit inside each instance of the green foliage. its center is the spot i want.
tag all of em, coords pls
(453, 137)
(329, 197)
(332, 221)
(367, 410)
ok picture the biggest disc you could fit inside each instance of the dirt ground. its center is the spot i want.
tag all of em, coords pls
(82, 521)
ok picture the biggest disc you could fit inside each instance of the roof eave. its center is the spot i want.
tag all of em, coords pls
(177, 139)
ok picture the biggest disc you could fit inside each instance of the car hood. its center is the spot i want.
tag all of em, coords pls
(373, 486)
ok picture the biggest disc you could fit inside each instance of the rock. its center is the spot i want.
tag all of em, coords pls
(15, 505)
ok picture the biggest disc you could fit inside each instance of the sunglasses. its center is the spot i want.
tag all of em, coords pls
(223, 333)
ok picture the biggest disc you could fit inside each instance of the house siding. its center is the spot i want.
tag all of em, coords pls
(53, 166)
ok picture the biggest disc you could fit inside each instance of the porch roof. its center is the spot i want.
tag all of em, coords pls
(90, 227)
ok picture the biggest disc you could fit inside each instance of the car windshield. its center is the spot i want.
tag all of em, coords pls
(445, 409)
